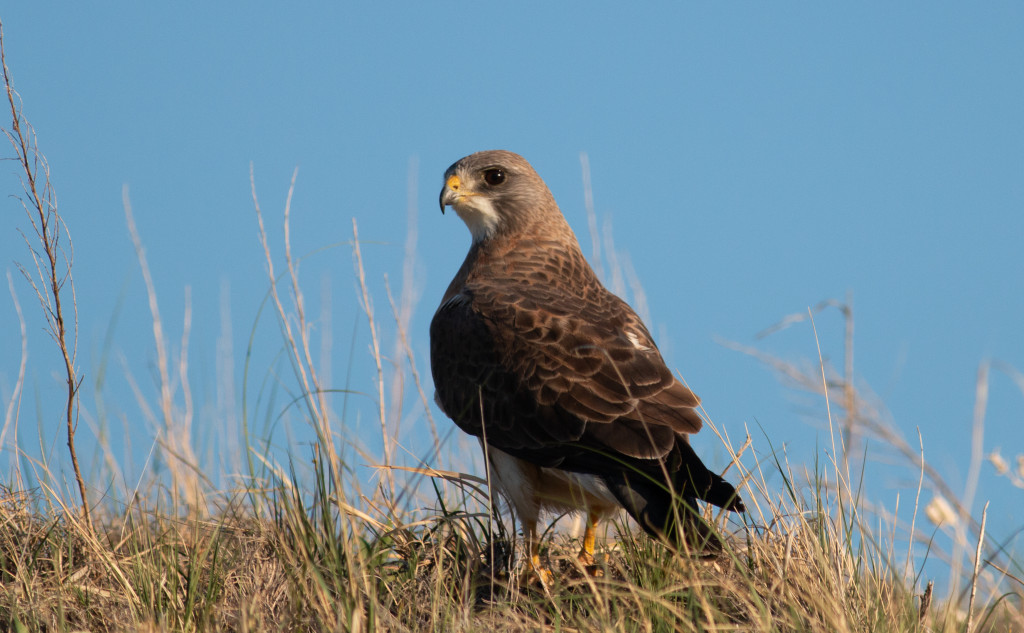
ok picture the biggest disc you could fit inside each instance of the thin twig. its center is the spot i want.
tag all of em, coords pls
(49, 225)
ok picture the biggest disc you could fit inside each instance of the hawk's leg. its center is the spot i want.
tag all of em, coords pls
(586, 555)
(535, 571)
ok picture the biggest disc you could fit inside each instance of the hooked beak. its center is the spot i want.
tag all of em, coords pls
(450, 191)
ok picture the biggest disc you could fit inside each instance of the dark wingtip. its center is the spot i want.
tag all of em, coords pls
(724, 495)
(673, 519)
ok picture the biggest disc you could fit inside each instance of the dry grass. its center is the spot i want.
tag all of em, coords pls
(305, 548)
(302, 564)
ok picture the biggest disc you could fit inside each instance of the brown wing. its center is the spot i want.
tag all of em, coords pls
(545, 366)
(483, 396)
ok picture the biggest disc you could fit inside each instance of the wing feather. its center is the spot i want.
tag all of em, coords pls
(572, 366)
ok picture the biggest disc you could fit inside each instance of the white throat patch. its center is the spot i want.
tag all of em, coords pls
(479, 215)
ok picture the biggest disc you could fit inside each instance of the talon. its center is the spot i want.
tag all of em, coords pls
(537, 576)
(586, 558)
(589, 564)
(586, 555)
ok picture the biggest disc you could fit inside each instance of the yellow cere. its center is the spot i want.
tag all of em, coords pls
(453, 182)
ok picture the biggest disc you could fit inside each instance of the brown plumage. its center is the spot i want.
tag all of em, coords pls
(559, 377)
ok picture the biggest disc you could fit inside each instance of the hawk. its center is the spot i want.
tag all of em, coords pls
(557, 376)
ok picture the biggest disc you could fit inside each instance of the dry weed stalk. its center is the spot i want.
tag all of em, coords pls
(53, 265)
(326, 456)
(175, 436)
(974, 574)
(402, 314)
(14, 406)
(864, 416)
(386, 437)
(403, 346)
(299, 346)
(869, 418)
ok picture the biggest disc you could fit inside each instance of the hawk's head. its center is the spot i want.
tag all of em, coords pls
(496, 192)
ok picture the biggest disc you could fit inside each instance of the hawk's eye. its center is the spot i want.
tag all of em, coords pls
(494, 176)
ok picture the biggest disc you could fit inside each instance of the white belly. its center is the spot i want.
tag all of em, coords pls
(530, 488)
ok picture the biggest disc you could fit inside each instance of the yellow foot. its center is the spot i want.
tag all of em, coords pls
(537, 576)
(589, 564)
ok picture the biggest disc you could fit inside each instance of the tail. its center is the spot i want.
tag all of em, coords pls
(670, 512)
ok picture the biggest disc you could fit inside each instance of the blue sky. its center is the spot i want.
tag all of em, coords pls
(753, 161)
